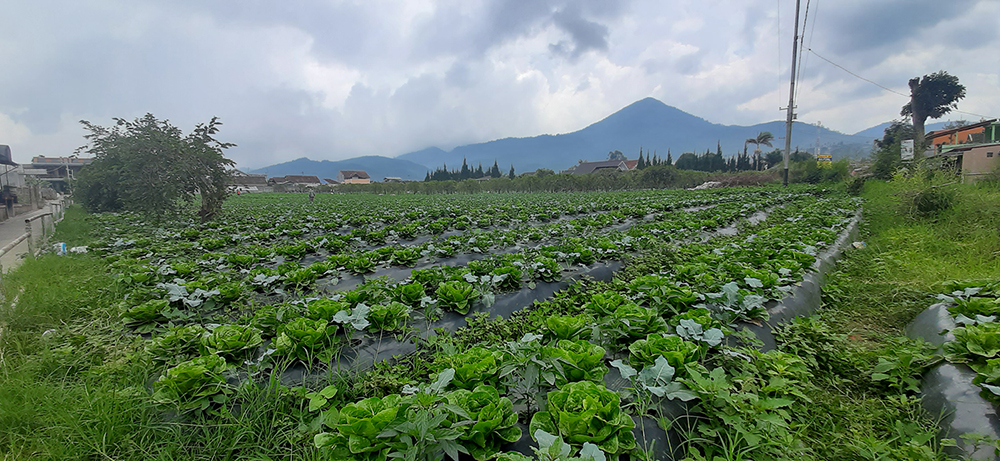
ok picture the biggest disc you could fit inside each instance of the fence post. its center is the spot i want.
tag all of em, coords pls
(27, 230)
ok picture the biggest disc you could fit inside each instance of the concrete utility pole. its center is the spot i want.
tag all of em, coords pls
(791, 95)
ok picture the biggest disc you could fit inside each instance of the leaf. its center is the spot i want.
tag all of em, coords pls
(713, 337)
(444, 378)
(592, 452)
(624, 369)
(753, 282)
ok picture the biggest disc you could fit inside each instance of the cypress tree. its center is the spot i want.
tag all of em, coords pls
(670, 160)
(511, 174)
(642, 163)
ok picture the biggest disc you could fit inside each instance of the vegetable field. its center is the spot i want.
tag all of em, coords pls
(475, 326)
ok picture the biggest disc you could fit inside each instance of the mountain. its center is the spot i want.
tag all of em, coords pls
(877, 131)
(647, 123)
(377, 167)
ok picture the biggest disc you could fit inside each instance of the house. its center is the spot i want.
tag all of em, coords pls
(353, 177)
(973, 133)
(59, 170)
(973, 161)
(392, 179)
(976, 154)
(295, 180)
(606, 165)
(246, 182)
(332, 182)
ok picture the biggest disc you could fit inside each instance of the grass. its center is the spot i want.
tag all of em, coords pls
(874, 294)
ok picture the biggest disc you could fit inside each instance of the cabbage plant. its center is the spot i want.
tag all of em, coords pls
(306, 339)
(674, 349)
(456, 296)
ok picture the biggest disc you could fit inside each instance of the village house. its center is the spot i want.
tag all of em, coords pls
(353, 177)
(294, 180)
(246, 182)
(605, 165)
(974, 148)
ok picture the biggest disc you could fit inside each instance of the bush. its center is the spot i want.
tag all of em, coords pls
(930, 201)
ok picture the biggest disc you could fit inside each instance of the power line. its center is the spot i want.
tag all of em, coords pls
(856, 75)
(882, 87)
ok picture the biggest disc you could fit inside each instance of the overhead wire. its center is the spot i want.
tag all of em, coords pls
(878, 85)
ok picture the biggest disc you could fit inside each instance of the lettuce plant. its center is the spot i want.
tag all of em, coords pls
(456, 296)
(584, 412)
(605, 304)
(357, 427)
(472, 368)
(234, 342)
(577, 361)
(306, 339)
(324, 309)
(194, 385)
(511, 278)
(177, 343)
(569, 327)
(662, 294)
(145, 317)
(389, 317)
(634, 321)
(674, 349)
(974, 343)
(495, 420)
(268, 319)
(409, 293)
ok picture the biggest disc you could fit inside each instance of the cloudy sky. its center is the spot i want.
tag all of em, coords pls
(339, 79)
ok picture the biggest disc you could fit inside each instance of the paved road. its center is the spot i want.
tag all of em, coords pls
(13, 228)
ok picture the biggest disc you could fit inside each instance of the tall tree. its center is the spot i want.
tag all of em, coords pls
(765, 138)
(932, 96)
(464, 173)
(670, 160)
(150, 166)
(616, 155)
(511, 173)
(642, 162)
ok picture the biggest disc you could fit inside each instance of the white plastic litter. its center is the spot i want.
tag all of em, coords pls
(78, 250)
(59, 248)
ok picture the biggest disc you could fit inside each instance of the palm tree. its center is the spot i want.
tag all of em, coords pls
(765, 138)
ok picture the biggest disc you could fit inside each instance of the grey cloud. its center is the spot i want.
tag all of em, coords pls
(586, 35)
(867, 25)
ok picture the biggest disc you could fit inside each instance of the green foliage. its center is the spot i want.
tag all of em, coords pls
(307, 340)
(456, 296)
(553, 448)
(585, 412)
(974, 343)
(389, 317)
(495, 420)
(148, 165)
(674, 349)
(472, 368)
(178, 343)
(578, 360)
(194, 386)
(233, 342)
(569, 327)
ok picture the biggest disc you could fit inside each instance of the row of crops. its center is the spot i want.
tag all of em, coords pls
(377, 309)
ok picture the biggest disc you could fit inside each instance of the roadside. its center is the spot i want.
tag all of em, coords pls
(12, 229)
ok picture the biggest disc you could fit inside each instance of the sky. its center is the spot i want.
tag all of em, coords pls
(330, 80)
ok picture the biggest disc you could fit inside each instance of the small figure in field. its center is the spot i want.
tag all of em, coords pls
(237, 192)
(312, 195)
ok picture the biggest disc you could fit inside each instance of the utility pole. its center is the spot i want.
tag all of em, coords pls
(791, 95)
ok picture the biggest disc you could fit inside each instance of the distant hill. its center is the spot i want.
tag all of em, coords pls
(377, 167)
(877, 131)
(648, 123)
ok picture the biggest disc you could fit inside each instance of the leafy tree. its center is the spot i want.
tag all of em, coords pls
(687, 161)
(511, 173)
(773, 158)
(616, 155)
(932, 96)
(543, 172)
(150, 166)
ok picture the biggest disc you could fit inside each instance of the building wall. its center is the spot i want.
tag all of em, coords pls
(980, 161)
(356, 181)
